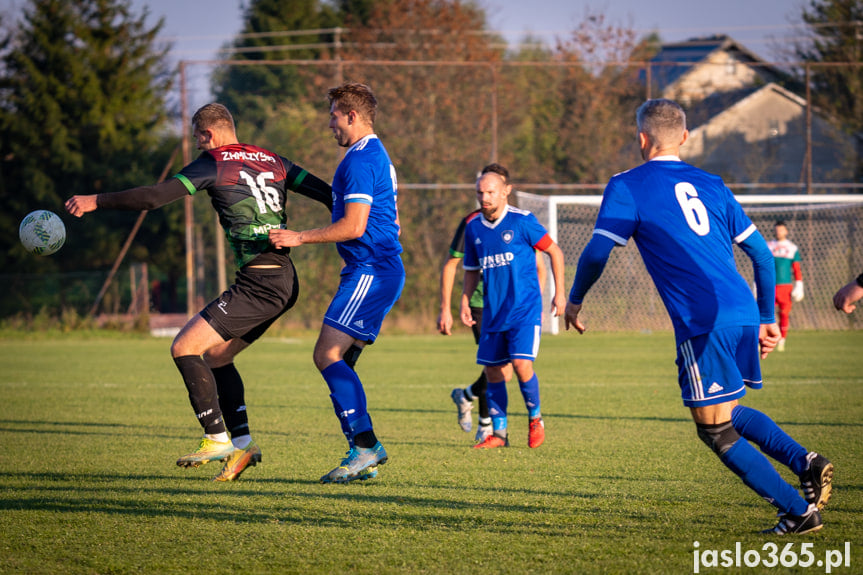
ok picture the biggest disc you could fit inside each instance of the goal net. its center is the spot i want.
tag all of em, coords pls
(828, 230)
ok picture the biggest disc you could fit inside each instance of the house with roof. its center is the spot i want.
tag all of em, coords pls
(746, 119)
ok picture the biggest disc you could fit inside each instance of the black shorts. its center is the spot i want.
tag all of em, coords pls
(476, 314)
(258, 297)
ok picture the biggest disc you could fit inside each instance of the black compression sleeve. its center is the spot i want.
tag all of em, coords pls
(311, 186)
(144, 197)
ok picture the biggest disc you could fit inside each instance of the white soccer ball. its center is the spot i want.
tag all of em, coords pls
(42, 232)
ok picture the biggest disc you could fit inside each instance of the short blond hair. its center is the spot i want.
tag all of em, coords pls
(663, 120)
(354, 96)
(213, 115)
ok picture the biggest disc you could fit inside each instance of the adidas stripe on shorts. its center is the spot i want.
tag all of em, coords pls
(718, 366)
(365, 296)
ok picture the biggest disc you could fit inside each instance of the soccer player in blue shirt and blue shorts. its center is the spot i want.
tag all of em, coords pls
(501, 240)
(684, 222)
(365, 229)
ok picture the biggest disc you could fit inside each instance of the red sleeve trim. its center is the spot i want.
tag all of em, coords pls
(544, 243)
(795, 267)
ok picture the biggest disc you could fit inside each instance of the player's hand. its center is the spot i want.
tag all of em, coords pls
(80, 205)
(558, 305)
(444, 322)
(571, 317)
(466, 316)
(847, 296)
(768, 336)
(285, 238)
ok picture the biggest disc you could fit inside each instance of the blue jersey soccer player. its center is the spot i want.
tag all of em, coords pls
(365, 229)
(463, 397)
(501, 240)
(684, 221)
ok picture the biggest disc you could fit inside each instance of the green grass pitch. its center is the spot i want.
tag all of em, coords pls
(90, 428)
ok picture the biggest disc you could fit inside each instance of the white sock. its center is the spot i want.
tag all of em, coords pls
(219, 437)
(241, 441)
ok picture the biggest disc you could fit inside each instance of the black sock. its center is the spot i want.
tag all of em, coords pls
(232, 399)
(478, 390)
(365, 439)
(201, 385)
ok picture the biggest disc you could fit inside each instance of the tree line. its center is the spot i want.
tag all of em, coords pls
(85, 107)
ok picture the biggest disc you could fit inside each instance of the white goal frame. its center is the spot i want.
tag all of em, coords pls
(528, 200)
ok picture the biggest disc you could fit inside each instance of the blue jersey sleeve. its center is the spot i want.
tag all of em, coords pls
(739, 224)
(765, 274)
(590, 266)
(617, 216)
(359, 183)
(534, 231)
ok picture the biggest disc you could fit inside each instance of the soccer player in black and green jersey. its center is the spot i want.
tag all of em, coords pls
(248, 187)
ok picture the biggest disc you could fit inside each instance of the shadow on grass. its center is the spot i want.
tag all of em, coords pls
(682, 419)
(310, 504)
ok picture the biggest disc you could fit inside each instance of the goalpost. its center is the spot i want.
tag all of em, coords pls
(826, 228)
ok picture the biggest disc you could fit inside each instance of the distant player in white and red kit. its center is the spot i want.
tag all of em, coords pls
(248, 187)
(500, 241)
(789, 278)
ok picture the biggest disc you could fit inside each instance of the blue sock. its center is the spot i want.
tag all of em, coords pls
(349, 399)
(763, 432)
(530, 393)
(757, 473)
(497, 403)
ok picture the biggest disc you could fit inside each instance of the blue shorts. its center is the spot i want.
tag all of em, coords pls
(718, 366)
(501, 347)
(365, 296)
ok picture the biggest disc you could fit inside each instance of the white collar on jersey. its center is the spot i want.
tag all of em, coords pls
(495, 223)
(362, 142)
(668, 158)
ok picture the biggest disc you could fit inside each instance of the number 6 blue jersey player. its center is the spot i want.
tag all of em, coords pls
(684, 222)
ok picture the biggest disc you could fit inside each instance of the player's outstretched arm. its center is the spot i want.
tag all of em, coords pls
(349, 227)
(141, 198)
(80, 205)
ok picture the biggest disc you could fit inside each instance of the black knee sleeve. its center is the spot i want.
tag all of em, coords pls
(352, 355)
(719, 437)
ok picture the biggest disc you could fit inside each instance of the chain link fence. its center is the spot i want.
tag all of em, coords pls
(624, 298)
